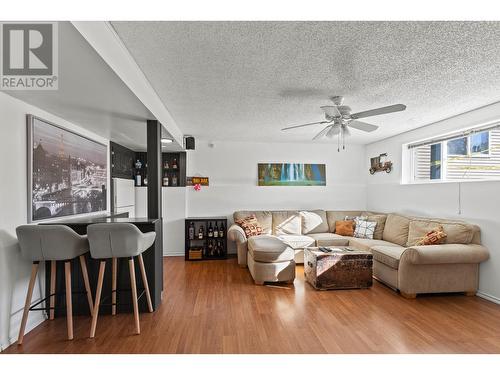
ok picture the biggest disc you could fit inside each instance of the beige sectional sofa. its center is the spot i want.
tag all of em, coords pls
(450, 267)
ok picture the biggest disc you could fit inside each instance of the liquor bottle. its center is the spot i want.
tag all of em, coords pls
(216, 231)
(210, 248)
(165, 180)
(138, 179)
(210, 231)
(221, 230)
(200, 233)
(165, 165)
(174, 164)
(191, 231)
(174, 180)
(220, 249)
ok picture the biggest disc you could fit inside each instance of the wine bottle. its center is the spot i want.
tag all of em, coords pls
(210, 231)
(165, 180)
(200, 233)
(216, 231)
(174, 164)
(174, 180)
(219, 248)
(210, 248)
(191, 231)
(221, 230)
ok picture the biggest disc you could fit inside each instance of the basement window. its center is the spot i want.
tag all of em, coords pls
(473, 154)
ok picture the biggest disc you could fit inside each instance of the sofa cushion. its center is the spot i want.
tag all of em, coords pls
(364, 229)
(269, 249)
(286, 222)
(456, 231)
(329, 239)
(250, 226)
(380, 220)
(264, 218)
(396, 229)
(389, 255)
(296, 241)
(333, 216)
(366, 244)
(314, 221)
(434, 237)
(344, 227)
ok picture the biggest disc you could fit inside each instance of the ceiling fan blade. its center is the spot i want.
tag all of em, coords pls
(379, 111)
(322, 133)
(311, 123)
(331, 111)
(334, 130)
(363, 126)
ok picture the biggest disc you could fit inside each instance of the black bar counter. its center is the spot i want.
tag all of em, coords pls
(153, 263)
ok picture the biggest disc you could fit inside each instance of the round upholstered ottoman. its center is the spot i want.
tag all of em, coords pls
(270, 259)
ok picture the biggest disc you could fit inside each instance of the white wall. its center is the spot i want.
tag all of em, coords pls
(480, 200)
(15, 272)
(232, 169)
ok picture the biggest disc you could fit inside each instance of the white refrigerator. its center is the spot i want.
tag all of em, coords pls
(124, 196)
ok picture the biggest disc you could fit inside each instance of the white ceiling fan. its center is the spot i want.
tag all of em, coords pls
(339, 119)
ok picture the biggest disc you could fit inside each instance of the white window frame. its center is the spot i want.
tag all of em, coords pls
(408, 176)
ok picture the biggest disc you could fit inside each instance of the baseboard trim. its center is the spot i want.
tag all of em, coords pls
(177, 254)
(30, 326)
(488, 297)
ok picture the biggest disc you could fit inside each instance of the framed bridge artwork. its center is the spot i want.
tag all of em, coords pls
(291, 174)
(67, 172)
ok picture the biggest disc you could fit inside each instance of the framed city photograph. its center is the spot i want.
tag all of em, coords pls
(67, 172)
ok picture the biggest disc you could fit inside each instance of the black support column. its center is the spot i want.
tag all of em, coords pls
(154, 169)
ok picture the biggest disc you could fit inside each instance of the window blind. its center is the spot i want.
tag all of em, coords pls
(455, 135)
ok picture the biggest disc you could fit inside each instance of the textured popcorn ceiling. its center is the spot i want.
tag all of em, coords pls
(246, 80)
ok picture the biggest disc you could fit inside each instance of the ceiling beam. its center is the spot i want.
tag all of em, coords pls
(103, 38)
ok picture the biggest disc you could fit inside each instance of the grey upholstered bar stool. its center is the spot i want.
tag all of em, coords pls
(53, 243)
(119, 240)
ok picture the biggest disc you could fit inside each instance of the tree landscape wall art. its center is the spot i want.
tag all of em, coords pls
(67, 172)
(291, 174)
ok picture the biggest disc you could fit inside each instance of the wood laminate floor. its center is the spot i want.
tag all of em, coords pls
(214, 307)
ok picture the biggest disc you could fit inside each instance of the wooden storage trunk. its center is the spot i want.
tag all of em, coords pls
(340, 269)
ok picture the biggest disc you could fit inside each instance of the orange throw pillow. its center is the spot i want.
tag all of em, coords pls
(434, 237)
(250, 225)
(344, 227)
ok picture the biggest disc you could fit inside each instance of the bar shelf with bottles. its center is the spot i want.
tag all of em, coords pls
(206, 238)
(173, 169)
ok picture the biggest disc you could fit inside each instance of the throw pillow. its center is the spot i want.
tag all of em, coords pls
(355, 219)
(344, 227)
(365, 229)
(434, 237)
(250, 225)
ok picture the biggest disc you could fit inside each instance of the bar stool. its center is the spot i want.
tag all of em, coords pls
(52, 243)
(119, 240)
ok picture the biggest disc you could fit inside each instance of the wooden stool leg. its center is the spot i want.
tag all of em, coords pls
(69, 301)
(85, 274)
(114, 266)
(145, 282)
(133, 286)
(34, 269)
(53, 271)
(97, 302)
